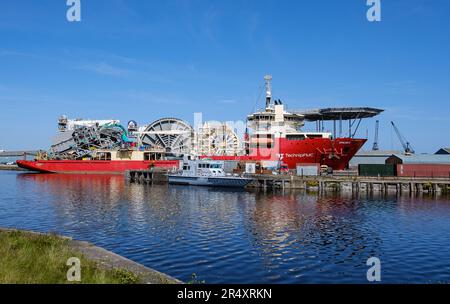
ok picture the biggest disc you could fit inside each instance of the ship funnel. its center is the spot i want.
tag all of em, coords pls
(268, 79)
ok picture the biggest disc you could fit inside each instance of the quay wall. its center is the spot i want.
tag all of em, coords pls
(322, 183)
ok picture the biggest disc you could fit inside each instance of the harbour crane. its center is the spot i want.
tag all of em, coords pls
(375, 142)
(406, 145)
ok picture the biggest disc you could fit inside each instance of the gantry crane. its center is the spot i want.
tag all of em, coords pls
(375, 142)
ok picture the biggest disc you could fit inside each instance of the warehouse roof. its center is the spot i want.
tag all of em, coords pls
(418, 159)
(443, 151)
(376, 153)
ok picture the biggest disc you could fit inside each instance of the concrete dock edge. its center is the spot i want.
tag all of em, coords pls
(110, 260)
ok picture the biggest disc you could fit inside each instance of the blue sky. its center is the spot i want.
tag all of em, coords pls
(142, 60)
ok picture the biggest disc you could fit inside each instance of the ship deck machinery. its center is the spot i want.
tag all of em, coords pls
(277, 136)
(173, 135)
(77, 138)
(216, 138)
(178, 138)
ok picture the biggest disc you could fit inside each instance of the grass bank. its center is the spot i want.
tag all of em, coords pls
(29, 258)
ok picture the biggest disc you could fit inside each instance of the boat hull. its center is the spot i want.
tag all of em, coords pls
(229, 182)
(324, 151)
(94, 166)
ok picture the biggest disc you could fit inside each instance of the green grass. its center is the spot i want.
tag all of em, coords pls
(27, 258)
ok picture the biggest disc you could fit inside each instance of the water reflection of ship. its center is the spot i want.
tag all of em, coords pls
(72, 195)
(80, 187)
(303, 227)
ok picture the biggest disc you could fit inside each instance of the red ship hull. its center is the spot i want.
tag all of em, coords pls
(94, 166)
(333, 153)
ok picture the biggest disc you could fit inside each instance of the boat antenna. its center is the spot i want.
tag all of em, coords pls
(268, 79)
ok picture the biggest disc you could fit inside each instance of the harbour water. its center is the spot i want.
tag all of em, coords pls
(239, 236)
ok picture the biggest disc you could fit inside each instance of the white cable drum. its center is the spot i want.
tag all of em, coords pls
(215, 138)
(171, 134)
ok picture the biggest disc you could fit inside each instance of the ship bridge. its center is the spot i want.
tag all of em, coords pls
(338, 115)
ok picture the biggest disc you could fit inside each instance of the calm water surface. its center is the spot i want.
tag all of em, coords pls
(228, 236)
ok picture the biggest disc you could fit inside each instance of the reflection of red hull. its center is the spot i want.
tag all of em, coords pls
(333, 153)
(93, 166)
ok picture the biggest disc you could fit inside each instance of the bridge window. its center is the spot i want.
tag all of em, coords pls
(103, 156)
(296, 137)
(124, 154)
(152, 156)
(314, 135)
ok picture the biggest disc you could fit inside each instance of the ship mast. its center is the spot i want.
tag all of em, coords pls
(268, 79)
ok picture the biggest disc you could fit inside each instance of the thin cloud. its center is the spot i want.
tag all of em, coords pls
(228, 101)
(13, 53)
(414, 114)
(103, 68)
(146, 97)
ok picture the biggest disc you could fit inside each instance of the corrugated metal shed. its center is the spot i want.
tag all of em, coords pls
(377, 170)
(372, 157)
(418, 159)
(423, 170)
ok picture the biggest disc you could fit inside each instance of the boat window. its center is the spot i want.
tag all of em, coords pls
(152, 156)
(103, 156)
(124, 154)
(314, 135)
(267, 136)
(295, 137)
(261, 146)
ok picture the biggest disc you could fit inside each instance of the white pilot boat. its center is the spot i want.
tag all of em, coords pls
(206, 173)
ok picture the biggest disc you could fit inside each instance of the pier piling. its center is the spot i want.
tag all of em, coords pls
(354, 184)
